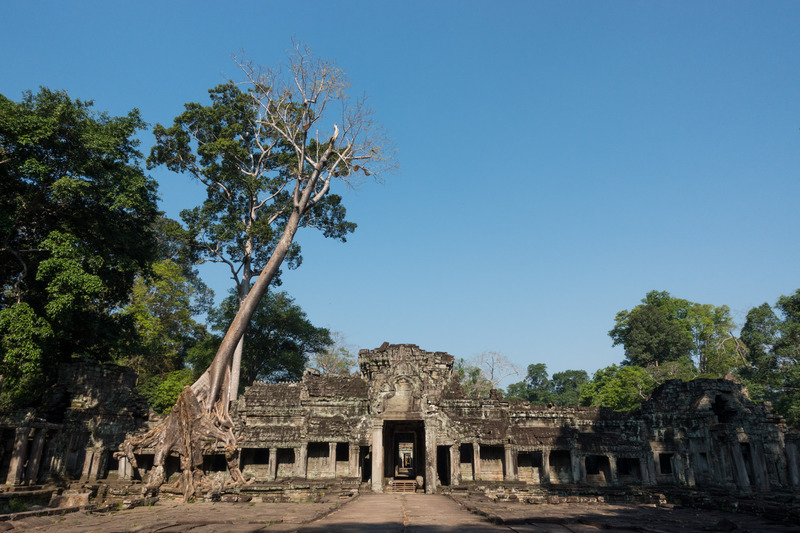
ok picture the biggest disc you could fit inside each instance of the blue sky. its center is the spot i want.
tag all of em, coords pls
(558, 159)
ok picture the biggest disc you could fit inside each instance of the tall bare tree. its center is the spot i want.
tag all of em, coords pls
(310, 135)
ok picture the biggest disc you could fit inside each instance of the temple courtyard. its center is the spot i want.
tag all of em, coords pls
(402, 513)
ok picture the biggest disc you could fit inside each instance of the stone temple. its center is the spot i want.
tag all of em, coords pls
(404, 424)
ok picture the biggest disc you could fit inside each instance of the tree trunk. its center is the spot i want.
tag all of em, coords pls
(236, 370)
(200, 419)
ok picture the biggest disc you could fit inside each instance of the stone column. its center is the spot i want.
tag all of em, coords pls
(125, 468)
(18, 456)
(476, 461)
(739, 468)
(88, 458)
(511, 464)
(644, 471)
(273, 464)
(678, 469)
(455, 465)
(544, 476)
(582, 465)
(612, 465)
(332, 459)
(377, 457)
(98, 465)
(430, 457)
(792, 460)
(353, 460)
(759, 466)
(35, 460)
(575, 464)
(651, 469)
(301, 460)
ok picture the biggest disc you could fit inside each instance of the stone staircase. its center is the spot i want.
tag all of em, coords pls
(404, 485)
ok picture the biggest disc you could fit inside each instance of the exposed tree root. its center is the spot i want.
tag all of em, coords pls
(189, 430)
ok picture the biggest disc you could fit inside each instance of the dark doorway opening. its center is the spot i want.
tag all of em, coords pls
(443, 465)
(404, 449)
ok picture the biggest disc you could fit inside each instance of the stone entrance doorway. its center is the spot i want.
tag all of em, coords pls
(404, 451)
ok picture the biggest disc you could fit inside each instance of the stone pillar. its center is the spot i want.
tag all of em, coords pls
(793, 462)
(35, 460)
(301, 460)
(377, 457)
(88, 458)
(430, 457)
(645, 472)
(332, 459)
(575, 464)
(545, 473)
(353, 461)
(739, 468)
(759, 466)
(455, 464)
(511, 464)
(651, 469)
(273, 464)
(125, 468)
(582, 465)
(476, 461)
(612, 465)
(97, 465)
(18, 456)
(688, 469)
(678, 469)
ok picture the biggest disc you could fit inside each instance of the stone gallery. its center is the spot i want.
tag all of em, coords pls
(404, 424)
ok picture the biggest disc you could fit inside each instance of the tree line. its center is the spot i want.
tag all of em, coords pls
(665, 338)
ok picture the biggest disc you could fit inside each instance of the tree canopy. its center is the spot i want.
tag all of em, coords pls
(772, 336)
(564, 388)
(280, 339)
(76, 215)
(666, 329)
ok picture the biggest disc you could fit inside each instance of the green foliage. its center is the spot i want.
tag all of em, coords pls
(624, 388)
(162, 391)
(472, 379)
(620, 388)
(278, 340)
(665, 329)
(537, 388)
(23, 338)
(17, 505)
(163, 304)
(773, 341)
(76, 213)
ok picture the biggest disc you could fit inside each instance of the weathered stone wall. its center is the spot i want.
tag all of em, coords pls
(703, 433)
(85, 418)
(405, 419)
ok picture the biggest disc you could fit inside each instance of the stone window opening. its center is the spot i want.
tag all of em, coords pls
(493, 463)
(629, 467)
(721, 407)
(560, 467)
(211, 463)
(529, 466)
(466, 455)
(665, 463)
(342, 452)
(598, 469)
(285, 462)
